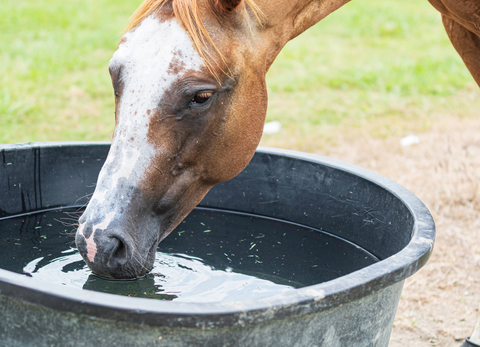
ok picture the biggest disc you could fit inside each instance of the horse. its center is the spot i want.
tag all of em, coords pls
(190, 105)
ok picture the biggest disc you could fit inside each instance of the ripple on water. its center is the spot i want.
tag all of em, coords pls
(178, 277)
(212, 256)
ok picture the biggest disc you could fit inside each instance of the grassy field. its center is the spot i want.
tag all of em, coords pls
(53, 68)
(385, 67)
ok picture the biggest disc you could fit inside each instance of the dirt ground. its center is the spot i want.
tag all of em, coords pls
(439, 303)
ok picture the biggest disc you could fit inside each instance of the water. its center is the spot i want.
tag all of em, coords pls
(211, 256)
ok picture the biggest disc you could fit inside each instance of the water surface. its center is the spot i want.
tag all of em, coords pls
(212, 256)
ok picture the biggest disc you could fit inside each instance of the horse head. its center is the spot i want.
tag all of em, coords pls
(190, 104)
(182, 125)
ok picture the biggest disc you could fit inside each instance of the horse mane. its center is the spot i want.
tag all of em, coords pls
(188, 15)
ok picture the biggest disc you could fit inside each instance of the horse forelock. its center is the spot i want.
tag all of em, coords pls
(187, 13)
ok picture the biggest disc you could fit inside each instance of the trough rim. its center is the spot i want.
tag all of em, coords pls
(305, 300)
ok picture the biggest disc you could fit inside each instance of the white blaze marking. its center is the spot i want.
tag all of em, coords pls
(100, 196)
(128, 163)
(144, 56)
(80, 228)
(103, 225)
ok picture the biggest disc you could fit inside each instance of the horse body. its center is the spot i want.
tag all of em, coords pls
(190, 107)
(461, 20)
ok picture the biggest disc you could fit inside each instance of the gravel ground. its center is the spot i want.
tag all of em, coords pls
(439, 304)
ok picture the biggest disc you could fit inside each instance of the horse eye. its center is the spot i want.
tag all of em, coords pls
(201, 98)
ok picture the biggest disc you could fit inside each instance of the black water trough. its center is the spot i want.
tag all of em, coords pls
(349, 205)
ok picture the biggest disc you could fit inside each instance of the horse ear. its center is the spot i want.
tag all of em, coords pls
(227, 5)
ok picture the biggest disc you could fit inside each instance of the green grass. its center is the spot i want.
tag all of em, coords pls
(387, 46)
(386, 65)
(53, 68)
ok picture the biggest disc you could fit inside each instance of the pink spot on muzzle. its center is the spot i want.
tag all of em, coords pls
(91, 245)
(91, 248)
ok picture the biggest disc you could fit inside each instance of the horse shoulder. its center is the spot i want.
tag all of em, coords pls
(464, 12)
(466, 43)
(461, 19)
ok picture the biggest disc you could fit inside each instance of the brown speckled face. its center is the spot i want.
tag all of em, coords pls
(178, 132)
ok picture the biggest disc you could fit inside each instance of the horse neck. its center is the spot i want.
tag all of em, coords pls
(286, 19)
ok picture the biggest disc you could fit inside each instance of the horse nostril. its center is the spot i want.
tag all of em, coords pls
(121, 250)
(118, 253)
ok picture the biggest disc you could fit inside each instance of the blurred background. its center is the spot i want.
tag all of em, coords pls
(352, 87)
(384, 65)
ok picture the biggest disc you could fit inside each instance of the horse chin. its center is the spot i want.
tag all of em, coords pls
(132, 269)
(150, 260)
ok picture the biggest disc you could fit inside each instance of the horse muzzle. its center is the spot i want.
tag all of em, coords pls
(112, 252)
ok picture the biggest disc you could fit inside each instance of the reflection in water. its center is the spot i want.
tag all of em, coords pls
(144, 287)
(211, 256)
(176, 277)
